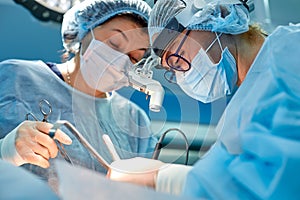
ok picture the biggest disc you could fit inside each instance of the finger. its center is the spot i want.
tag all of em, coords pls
(43, 126)
(62, 137)
(32, 158)
(59, 135)
(47, 143)
(41, 150)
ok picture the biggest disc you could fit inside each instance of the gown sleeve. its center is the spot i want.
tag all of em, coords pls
(269, 138)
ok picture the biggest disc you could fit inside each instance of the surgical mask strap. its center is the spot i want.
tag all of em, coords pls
(92, 32)
(218, 38)
(90, 41)
(213, 42)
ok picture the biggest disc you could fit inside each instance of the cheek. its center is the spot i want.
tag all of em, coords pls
(85, 43)
(215, 56)
(164, 62)
(192, 51)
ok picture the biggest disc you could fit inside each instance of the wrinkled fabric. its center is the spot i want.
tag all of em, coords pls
(210, 17)
(257, 153)
(84, 16)
(207, 81)
(17, 183)
(236, 20)
(25, 83)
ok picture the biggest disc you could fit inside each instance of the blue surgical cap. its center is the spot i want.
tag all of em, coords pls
(83, 17)
(216, 16)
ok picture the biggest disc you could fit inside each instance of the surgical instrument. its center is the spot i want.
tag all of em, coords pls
(46, 110)
(110, 147)
(80, 138)
(140, 78)
(159, 144)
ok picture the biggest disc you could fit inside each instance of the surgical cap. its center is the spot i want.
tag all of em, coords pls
(83, 17)
(216, 16)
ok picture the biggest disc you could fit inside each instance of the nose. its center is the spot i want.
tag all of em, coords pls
(166, 67)
(135, 56)
(164, 63)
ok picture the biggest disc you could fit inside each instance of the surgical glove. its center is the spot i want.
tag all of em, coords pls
(138, 170)
(29, 143)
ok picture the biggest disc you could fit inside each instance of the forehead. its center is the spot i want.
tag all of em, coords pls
(126, 23)
(162, 43)
(124, 29)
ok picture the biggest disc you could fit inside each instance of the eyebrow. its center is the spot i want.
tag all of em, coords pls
(122, 33)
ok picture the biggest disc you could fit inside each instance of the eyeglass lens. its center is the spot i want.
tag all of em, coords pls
(170, 76)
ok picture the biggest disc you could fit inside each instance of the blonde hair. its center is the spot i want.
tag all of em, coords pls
(254, 33)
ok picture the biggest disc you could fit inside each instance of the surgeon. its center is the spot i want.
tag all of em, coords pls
(217, 52)
(102, 39)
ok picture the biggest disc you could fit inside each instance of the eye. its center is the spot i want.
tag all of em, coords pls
(116, 43)
(113, 45)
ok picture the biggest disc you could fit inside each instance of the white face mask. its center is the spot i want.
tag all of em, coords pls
(103, 68)
(206, 81)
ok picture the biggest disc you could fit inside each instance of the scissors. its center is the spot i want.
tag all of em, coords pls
(46, 110)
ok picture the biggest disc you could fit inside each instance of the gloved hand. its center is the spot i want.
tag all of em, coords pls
(32, 144)
(138, 170)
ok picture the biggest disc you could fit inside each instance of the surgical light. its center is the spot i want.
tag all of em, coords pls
(48, 10)
(53, 10)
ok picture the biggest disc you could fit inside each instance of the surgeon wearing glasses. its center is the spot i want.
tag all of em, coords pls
(215, 54)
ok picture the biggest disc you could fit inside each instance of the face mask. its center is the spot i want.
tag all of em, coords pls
(206, 81)
(104, 68)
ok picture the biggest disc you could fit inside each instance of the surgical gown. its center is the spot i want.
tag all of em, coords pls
(17, 183)
(24, 83)
(257, 155)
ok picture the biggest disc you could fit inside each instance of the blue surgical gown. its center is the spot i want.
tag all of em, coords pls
(24, 83)
(17, 183)
(257, 154)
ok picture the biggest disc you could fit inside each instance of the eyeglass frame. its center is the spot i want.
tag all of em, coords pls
(179, 56)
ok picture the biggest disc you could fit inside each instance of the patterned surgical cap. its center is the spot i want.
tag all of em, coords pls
(83, 17)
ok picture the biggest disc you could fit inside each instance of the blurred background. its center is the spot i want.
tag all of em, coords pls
(31, 31)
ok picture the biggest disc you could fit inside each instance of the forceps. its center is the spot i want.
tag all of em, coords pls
(46, 110)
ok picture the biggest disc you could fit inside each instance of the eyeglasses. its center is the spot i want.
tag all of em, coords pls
(177, 62)
(170, 76)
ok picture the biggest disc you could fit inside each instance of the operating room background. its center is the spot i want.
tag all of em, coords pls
(25, 37)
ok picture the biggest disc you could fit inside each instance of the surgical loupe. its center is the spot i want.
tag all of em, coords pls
(140, 78)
